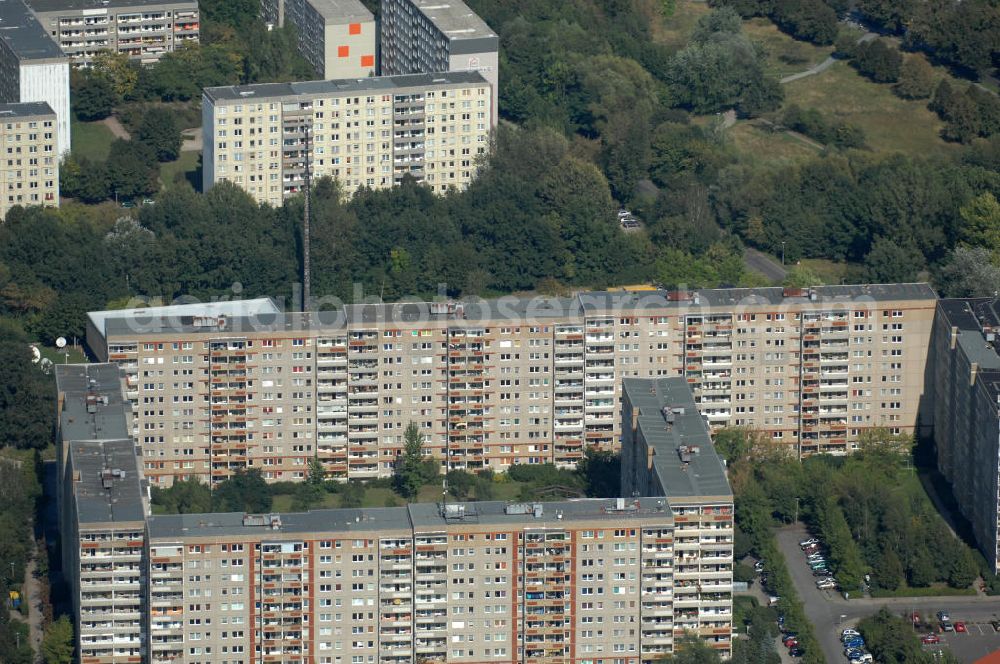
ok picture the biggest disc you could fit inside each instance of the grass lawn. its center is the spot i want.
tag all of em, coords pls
(890, 124)
(675, 29)
(831, 272)
(784, 55)
(757, 142)
(934, 590)
(172, 173)
(91, 140)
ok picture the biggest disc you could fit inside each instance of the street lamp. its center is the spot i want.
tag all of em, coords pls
(782, 253)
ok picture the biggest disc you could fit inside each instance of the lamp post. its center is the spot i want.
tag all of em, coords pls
(782, 253)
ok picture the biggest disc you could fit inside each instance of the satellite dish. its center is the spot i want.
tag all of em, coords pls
(36, 354)
(61, 342)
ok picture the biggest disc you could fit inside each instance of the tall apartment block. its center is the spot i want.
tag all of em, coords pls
(426, 36)
(516, 380)
(102, 515)
(596, 580)
(142, 29)
(367, 132)
(667, 451)
(29, 156)
(965, 380)
(32, 68)
(337, 37)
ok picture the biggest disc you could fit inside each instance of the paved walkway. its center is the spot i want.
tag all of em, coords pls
(826, 64)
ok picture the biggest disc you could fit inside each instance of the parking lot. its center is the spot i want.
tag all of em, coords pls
(830, 613)
(979, 640)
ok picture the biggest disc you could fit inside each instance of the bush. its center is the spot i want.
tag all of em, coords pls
(878, 61)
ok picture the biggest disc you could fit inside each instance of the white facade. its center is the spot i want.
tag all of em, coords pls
(49, 82)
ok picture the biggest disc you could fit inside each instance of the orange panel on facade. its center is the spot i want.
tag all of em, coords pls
(367, 60)
(343, 51)
(354, 29)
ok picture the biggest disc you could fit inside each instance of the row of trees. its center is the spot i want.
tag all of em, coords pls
(810, 20)
(19, 489)
(869, 509)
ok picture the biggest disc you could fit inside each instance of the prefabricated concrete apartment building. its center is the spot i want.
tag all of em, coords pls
(234, 385)
(582, 581)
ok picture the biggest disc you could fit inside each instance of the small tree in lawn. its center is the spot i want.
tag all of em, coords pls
(412, 470)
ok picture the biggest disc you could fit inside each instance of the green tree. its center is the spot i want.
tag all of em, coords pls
(93, 96)
(690, 649)
(916, 78)
(183, 497)
(888, 570)
(892, 261)
(160, 132)
(601, 472)
(970, 272)
(244, 491)
(310, 493)
(352, 494)
(57, 642)
(119, 70)
(26, 395)
(963, 571)
(412, 469)
(878, 61)
(132, 169)
(982, 222)
(460, 483)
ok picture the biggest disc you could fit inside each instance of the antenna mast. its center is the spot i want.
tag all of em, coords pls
(305, 228)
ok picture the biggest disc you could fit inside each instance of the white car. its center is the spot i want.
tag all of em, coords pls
(811, 540)
(863, 659)
(849, 632)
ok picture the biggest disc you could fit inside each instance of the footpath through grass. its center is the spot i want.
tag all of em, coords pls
(891, 124)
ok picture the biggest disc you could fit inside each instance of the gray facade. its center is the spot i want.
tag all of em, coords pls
(966, 382)
(144, 30)
(32, 68)
(426, 36)
(102, 514)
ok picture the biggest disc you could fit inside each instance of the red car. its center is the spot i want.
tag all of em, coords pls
(915, 617)
(960, 627)
(791, 642)
(930, 639)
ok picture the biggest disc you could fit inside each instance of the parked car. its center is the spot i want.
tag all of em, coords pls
(822, 572)
(996, 625)
(851, 653)
(854, 642)
(930, 639)
(863, 658)
(796, 652)
(915, 618)
(946, 626)
(943, 616)
(960, 627)
(849, 632)
(811, 540)
(758, 566)
(791, 643)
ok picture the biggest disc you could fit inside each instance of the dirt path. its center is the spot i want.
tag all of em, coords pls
(112, 123)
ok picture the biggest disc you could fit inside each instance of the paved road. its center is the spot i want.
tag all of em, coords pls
(826, 64)
(829, 612)
(764, 264)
